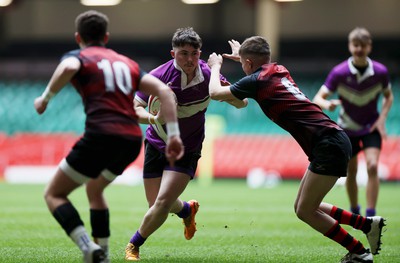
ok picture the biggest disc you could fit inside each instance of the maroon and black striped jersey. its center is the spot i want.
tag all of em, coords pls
(283, 102)
(107, 82)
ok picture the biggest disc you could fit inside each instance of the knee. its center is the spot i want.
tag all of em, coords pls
(372, 168)
(162, 205)
(300, 213)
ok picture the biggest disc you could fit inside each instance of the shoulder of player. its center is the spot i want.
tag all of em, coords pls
(163, 70)
(379, 67)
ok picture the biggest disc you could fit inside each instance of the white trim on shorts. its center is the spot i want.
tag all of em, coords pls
(80, 178)
(108, 175)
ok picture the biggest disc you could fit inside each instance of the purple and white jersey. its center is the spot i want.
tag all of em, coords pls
(193, 100)
(359, 94)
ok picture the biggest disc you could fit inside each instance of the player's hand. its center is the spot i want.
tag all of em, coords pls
(174, 150)
(235, 46)
(214, 60)
(334, 104)
(380, 126)
(40, 104)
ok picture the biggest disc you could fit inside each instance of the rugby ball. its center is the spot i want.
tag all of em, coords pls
(154, 105)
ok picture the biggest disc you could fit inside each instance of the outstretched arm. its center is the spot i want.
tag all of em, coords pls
(217, 91)
(61, 76)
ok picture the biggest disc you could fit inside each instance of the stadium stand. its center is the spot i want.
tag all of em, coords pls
(249, 140)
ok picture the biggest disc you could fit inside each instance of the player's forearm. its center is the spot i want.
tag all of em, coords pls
(144, 117)
(61, 77)
(386, 105)
(238, 103)
(215, 83)
(168, 105)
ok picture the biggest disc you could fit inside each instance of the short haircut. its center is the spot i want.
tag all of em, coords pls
(255, 46)
(186, 36)
(92, 26)
(360, 34)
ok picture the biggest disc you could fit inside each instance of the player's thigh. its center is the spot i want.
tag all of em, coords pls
(314, 189)
(151, 187)
(61, 185)
(372, 144)
(172, 185)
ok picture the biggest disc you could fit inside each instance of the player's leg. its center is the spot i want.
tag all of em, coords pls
(56, 195)
(313, 190)
(372, 144)
(99, 213)
(152, 187)
(330, 159)
(113, 155)
(351, 185)
(152, 181)
(172, 186)
(372, 190)
(371, 226)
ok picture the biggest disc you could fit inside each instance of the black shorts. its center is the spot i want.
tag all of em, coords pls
(331, 155)
(155, 163)
(95, 153)
(372, 139)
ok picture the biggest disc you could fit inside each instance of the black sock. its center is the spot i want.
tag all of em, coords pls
(68, 217)
(100, 222)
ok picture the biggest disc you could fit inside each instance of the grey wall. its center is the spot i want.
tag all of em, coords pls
(154, 19)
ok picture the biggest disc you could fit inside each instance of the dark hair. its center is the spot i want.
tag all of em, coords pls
(92, 26)
(186, 36)
(255, 46)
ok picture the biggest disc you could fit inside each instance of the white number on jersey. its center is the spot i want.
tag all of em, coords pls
(118, 71)
(293, 89)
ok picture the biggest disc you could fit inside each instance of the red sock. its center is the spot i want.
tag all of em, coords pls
(341, 236)
(349, 218)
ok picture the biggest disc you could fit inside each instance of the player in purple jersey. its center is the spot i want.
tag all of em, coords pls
(324, 142)
(188, 77)
(107, 82)
(359, 82)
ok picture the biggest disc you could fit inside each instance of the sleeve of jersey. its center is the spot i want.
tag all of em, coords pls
(73, 53)
(331, 81)
(141, 97)
(245, 87)
(224, 81)
(386, 80)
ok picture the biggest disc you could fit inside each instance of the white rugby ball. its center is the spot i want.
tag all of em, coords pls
(154, 105)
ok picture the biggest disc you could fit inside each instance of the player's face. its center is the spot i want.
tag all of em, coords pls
(246, 65)
(359, 50)
(187, 57)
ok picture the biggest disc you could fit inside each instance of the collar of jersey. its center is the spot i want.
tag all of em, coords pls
(368, 72)
(198, 78)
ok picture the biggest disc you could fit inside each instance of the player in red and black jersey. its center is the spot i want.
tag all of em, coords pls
(327, 146)
(107, 82)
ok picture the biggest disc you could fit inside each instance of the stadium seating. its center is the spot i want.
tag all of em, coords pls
(249, 138)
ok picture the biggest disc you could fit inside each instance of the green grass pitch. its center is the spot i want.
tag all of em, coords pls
(235, 224)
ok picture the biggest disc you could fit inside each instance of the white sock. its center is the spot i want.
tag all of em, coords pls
(81, 238)
(103, 243)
